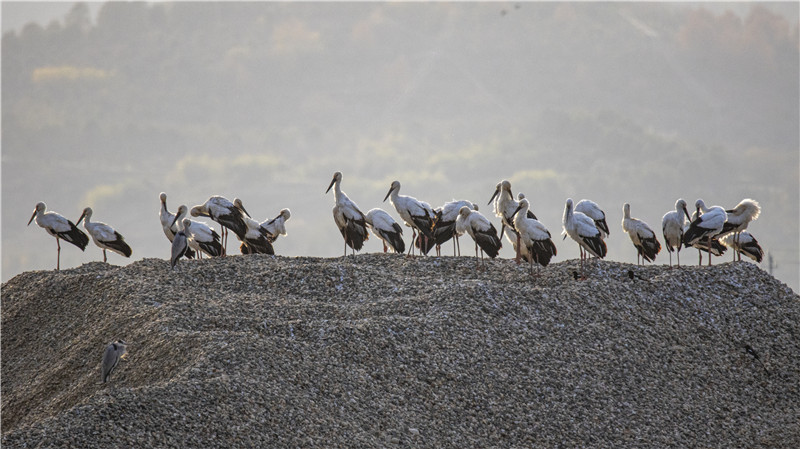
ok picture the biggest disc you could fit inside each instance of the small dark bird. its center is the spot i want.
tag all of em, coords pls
(576, 276)
(111, 357)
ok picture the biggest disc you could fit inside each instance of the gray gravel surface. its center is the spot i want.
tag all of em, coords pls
(381, 350)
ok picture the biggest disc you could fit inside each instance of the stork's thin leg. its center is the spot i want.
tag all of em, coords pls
(58, 255)
(105, 259)
(709, 250)
(519, 250)
(679, 255)
(459, 246)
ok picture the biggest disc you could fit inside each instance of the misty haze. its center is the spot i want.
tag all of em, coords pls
(615, 102)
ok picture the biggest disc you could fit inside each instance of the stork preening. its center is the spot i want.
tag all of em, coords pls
(256, 239)
(113, 353)
(352, 223)
(276, 227)
(534, 236)
(744, 243)
(415, 213)
(583, 230)
(504, 207)
(642, 236)
(481, 230)
(672, 225)
(168, 225)
(738, 218)
(104, 236)
(226, 214)
(708, 224)
(593, 211)
(199, 236)
(388, 230)
(60, 228)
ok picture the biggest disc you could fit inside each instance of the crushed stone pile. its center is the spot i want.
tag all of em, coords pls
(381, 350)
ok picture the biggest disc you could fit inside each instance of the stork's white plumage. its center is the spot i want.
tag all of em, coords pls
(583, 230)
(387, 229)
(745, 244)
(444, 224)
(276, 227)
(712, 246)
(534, 236)
(226, 214)
(256, 239)
(200, 236)
(708, 224)
(504, 207)
(60, 228)
(593, 211)
(415, 213)
(641, 234)
(672, 225)
(104, 236)
(168, 225)
(352, 223)
(481, 230)
(738, 218)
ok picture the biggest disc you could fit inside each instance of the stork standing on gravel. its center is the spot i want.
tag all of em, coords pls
(738, 218)
(745, 244)
(583, 230)
(444, 225)
(104, 236)
(534, 236)
(414, 213)
(672, 225)
(60, 228)
(256, 239)
(226, 214)
(388, 230)
(593, 211)
(199, 236)
(352, 223)
(504, 207)
(167, 224)
(481, 230)
(706, 226)
(642, 236)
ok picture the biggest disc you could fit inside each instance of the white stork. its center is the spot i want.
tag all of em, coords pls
(104, 236)
(593, 211)
(739, 217)
(226, 214)
(415, 213)
(384, 226)
(534, 236)
(60, 228)
(745, 244)
(276, 227)
(672, 225)
(444, 225)
(642, 236)
(256, 239)
(199, 236)
(583, 230)
(167, 224)
(481, 230)
(705, 226)
(504, 207)
(348, 217)
(716, 248)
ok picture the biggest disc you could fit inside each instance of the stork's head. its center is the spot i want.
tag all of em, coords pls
(395, 187)
(497, 190)
(40, 207)
(179, 214)
(680, 205)
(337, 177)
(163, 197)
(87, 213)
(237, 203)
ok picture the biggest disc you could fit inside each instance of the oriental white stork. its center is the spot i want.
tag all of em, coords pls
(167, 224)
(415, 213)
(739, 217)
(642, 236)
(745, 244)
(256, 239)
(672, 225)
(481, 230)
(716, 248)
(388, 230)
(444, 225)
(276, 227)
(104, 236)
(60, 228)
(593, 211)
(583, 230)
(226, 214)
(534, 236)
(504, 207)
(199, 236)
(348, 217)
(707, 225)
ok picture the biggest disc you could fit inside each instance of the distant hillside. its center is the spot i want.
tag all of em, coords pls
(387, 351)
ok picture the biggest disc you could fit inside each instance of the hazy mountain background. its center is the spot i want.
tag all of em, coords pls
(617, 102)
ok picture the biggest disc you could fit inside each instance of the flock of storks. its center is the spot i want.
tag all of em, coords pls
(709, 229)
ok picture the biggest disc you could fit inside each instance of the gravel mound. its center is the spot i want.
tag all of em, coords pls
(380, 350)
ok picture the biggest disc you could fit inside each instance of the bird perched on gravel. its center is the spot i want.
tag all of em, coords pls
(352, 223)
(418, 215)
(744, 243)
(384, 226)
(114, 352)
(641, 234)
(581, 228)
(168, 225)
(707, 223)
(104, 236)
(672, 225)
(739, 217)
(480, 229)
(534, 236)
(60, 228)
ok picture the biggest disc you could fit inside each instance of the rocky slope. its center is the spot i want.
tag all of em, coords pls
(388, 351)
